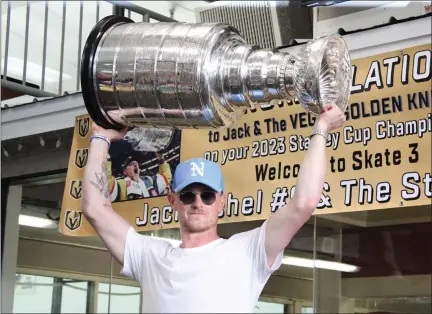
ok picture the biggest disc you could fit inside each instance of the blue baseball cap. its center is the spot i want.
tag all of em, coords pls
(198, 170)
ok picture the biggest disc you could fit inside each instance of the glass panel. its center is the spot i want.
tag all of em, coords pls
(386, 261)
(306, 309)
(74, 297)
(124, 299)
(40, 294)
(65, 258)
(268, 307)
(33, 294)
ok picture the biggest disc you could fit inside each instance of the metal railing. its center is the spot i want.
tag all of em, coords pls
(26, 87)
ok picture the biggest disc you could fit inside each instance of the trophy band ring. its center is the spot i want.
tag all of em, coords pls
(165, 76)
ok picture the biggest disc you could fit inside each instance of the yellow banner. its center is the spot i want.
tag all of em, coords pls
(381, 157)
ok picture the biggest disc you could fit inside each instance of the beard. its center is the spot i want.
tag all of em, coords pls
(194, 223)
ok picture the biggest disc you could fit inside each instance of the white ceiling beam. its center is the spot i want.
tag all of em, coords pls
(42, 116)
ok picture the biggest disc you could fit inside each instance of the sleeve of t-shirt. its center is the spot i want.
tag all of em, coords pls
(257, 251)
(136, 247)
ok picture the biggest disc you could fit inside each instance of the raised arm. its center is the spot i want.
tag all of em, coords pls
(285, 222)
(96, 203)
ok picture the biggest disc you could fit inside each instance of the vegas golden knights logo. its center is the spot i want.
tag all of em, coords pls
(83, 126)
(73, 219)
(81, 157)
(75, 189)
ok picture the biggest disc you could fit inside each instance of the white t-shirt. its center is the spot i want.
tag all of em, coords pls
(226, 275)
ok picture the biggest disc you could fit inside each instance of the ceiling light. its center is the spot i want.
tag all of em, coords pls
(19, 147)
(58, 143)
(37, 222)
(320, 3)
(310, 263)
(41, 141)
(372, 4)
(5, 152)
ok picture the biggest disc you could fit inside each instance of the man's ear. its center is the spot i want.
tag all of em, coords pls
(223, 199)
(171, 199)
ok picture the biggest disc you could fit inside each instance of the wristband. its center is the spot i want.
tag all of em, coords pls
(97, 136)
(316, 131)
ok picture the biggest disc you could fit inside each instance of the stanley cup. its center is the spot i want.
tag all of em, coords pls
(159, 77)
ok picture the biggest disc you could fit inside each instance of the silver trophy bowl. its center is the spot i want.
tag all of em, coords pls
(167, 76)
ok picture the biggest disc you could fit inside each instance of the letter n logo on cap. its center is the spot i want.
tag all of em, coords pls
(195, 168)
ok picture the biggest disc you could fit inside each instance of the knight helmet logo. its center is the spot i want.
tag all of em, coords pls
(81, 157)
(200, 170)
(83, 126)
(75, 189)
(73, 219)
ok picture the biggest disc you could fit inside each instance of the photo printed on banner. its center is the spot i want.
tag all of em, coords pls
(136, 172)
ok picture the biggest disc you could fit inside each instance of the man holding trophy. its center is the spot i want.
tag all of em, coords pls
(205, 273)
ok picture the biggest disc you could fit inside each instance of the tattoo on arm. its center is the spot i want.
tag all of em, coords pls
(101, 181)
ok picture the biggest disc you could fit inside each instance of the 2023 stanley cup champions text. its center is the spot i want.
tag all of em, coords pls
(382, 134)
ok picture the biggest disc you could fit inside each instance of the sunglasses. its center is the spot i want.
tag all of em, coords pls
(188, 197)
